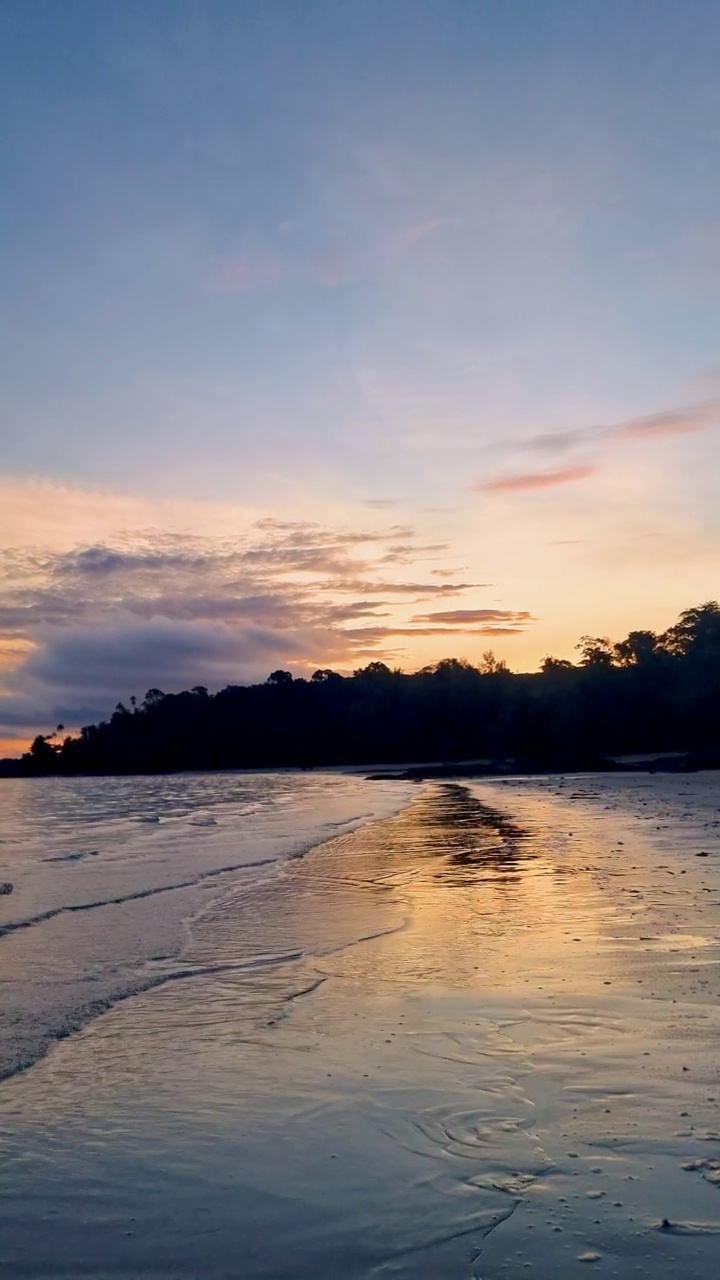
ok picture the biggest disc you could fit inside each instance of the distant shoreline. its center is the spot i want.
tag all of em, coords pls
(418, 771)
(662, 762)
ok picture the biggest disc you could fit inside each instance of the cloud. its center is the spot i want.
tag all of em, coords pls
(84, 626)
(47, 513)
(672, 422)
(470, 617)
(375, 635)
(410, 235)
(77, 675)
(381, 504)
(679, 421)
(133, 656)
(404, 554)
(103, 561)
(411, 588)
(529, 480)
(281, 574)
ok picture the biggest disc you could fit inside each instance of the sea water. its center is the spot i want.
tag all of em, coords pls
(470, 1033)
(104, 875)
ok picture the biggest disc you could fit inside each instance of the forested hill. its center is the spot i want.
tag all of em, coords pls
(647, 693)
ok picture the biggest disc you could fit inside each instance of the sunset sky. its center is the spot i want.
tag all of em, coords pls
(345, 330)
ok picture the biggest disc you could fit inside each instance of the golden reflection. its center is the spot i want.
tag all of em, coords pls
(475, 894)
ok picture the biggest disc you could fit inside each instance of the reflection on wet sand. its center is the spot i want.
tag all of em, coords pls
(470, 1040)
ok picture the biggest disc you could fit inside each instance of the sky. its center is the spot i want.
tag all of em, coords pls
(337, 331)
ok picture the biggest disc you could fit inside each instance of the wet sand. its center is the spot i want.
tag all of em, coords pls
(478, 1039)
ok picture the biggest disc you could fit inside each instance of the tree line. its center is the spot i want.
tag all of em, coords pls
(648, 693)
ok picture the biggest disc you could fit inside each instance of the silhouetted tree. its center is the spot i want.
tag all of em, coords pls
(492, 666)
(43, 755)
(639, 648)
(550, 665)
(596, 651)
(696, 633)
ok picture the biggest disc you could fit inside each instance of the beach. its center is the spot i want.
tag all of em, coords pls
(350, 1029)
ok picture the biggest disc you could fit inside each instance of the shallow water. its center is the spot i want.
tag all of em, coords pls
(476, 1039)
(106, 872)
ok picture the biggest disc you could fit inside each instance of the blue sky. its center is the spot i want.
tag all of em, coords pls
(358, 267)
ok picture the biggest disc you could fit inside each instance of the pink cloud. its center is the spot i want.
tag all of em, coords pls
(248, 271)
(264, 270)
(409, 235)
(535, 480)
(672, 422)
